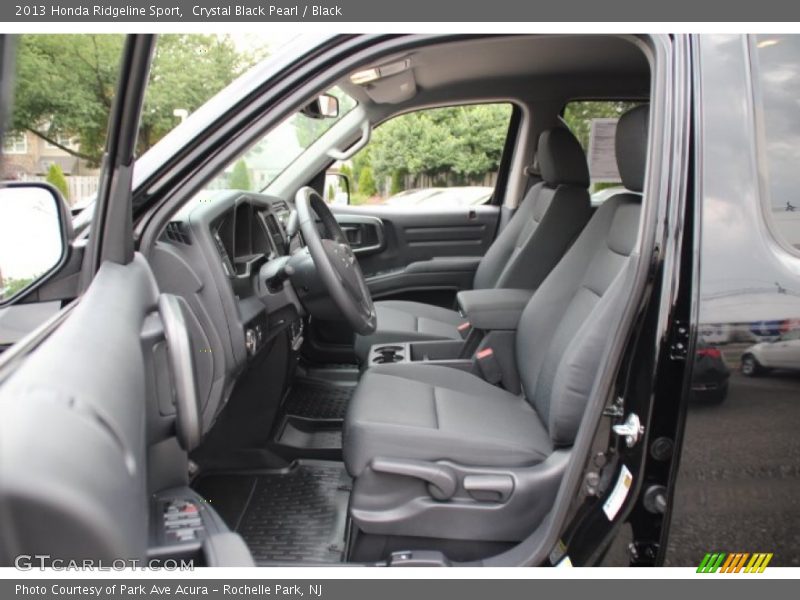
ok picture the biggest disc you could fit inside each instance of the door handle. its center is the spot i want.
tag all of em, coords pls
(354, 235)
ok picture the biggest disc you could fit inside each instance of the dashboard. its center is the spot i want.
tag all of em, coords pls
(248, 236)
(222, 256)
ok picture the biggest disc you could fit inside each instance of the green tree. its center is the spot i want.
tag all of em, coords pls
(366, 182)
(55, 177)
(578, 116)
(65, 85)
(463, 142)
(10, 286)
(397, 182)
(240, 177)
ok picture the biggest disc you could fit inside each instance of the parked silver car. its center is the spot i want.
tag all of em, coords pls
(782, 353)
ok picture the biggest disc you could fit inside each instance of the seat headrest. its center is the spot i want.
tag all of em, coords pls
(561, 158)
(631, 146)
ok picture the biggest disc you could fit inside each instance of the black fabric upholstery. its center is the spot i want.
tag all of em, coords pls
(631, 146)
(566, 324)
(561, 159)
(429, 412)
(426, 412)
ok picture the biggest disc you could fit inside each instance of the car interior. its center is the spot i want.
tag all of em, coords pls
(291, 419)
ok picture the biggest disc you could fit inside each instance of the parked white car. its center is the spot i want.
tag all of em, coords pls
(782, 353)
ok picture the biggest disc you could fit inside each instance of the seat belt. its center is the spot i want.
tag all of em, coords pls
(533, 176)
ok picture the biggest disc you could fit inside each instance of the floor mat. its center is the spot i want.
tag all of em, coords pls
(294, 517)
(316, 400)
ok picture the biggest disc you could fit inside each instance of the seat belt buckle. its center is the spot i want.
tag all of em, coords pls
(489, 366)
(464, 329)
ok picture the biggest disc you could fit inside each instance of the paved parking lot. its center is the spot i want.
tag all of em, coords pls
(741, 462)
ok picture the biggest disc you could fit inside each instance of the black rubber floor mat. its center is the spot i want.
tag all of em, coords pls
(293, 517)
(314, 400)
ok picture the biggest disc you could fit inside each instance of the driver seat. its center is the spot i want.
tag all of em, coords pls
(549, 219)
(437, 452)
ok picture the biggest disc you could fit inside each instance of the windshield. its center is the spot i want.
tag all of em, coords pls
(270, 156)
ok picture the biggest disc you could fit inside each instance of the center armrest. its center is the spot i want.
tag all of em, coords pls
(493, 309)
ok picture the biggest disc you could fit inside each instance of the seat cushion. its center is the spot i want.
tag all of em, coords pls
(428, 412)
(402, 321)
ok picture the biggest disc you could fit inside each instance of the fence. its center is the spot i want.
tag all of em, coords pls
(445, 180)
(79, 187)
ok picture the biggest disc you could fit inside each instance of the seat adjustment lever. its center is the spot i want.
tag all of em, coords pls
(489, 488)
(441, 479)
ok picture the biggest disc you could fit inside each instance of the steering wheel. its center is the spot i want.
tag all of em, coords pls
(335, 262)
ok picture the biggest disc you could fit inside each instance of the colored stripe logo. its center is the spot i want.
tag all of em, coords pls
(736, 562)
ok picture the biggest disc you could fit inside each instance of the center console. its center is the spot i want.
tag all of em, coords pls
(441, 352)
(487, 345)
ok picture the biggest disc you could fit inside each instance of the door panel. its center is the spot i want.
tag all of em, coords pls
(411, 253)
(73, 456)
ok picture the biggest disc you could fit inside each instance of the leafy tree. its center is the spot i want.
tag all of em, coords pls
(12, 286)
(366, 182)
(55, 177)
(578, 116)
(331, 192)
(463, 142)
(240, 177)
(397, 182)
(65, 85)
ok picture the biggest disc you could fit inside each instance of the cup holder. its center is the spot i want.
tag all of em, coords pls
(388, 354)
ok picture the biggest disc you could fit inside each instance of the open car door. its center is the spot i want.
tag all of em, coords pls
(80, 419)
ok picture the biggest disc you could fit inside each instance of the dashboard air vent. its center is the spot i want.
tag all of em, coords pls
(177, 231)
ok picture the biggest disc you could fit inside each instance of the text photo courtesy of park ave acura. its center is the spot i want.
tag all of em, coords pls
(148, 590)
(288, 301)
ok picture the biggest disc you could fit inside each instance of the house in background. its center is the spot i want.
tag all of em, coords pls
(27, 157)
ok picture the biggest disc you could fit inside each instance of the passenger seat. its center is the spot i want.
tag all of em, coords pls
(549, 219)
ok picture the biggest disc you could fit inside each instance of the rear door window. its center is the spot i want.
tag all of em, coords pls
(776, 75)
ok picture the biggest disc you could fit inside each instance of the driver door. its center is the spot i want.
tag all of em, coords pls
(74, 393)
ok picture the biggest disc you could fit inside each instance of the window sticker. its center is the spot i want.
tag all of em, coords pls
(617, 497)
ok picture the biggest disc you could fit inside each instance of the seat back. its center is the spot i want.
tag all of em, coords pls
(549, 219)
(564, 328)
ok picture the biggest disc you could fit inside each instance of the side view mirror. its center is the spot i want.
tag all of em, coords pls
(35, 232)
(337, 189)
(325, 106)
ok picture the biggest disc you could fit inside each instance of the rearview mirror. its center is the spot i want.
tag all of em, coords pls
(325, 106)
(34, 236)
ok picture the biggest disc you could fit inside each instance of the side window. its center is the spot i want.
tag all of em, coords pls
(776, 59)
(433, 158)
(594, 123)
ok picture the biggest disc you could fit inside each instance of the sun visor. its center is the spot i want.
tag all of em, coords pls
(393, 89)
